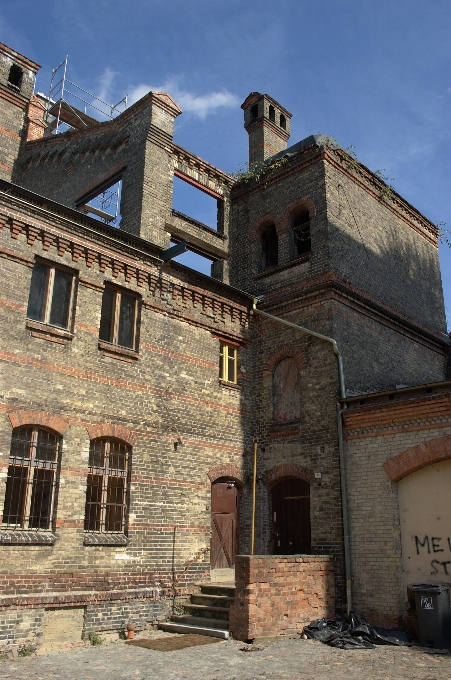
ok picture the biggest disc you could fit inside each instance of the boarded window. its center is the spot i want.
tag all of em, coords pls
(118, 318)
(106, 490)
(51, 295)
(270, 247)
(286, 391)
(31, 479)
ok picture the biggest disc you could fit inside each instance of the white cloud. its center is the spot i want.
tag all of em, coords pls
(198, 105)
(106, 82)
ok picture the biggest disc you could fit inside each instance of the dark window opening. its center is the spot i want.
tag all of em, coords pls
(270, 247)
(254, 112)
(118, 318)
(104, 202)
(107, 485)
(283, 122)
(31, 479)
(51, 295)
(15, 76)
(301, 233)
(272, 113)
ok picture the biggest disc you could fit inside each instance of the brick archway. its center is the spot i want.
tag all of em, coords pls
(226, 471)
(418, 457)
(259, 227)
(284, 352)
(110, 430)
(295, 207)
(42, 418)
(289, 470)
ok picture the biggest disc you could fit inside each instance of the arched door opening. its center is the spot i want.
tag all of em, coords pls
(290, 517)
(224, 523)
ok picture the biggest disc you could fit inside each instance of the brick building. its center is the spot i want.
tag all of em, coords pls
(133, 387)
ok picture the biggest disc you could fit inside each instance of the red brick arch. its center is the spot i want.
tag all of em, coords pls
(259, 227)
(110, 430)
(418, 457)
(284, 352)
(42, 418)
(294, 207)
(226, 471)
(289, 470)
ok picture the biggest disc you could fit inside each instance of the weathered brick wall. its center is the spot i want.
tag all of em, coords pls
(279, 595)
(377, 429)
(171, 391)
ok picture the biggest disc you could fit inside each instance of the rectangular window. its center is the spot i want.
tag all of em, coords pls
(31, 479)
(107, 486)
(118, 318)
(51, 295)
(228, 359)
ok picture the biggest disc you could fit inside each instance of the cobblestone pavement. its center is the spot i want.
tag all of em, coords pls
(291, 659)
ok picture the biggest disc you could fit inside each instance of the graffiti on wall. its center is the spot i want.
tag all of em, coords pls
(433, 545)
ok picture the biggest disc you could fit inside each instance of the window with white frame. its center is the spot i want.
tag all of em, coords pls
(31, 479)
(228, 363)
(107, 485)
(51, 295)
(118, 317)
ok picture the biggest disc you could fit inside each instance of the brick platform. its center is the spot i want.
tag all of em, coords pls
(277, 595)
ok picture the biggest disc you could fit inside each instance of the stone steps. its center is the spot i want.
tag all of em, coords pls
(208, 612)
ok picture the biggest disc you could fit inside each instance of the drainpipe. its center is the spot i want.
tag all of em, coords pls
(344, 497)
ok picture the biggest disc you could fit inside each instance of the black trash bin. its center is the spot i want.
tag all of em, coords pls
(433, 614)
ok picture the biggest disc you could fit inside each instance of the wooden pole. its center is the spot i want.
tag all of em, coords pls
(254, 493)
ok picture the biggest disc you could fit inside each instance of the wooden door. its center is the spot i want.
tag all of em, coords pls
(224, 524)
(290, 517)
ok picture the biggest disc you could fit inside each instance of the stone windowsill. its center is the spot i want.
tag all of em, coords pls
(117, 352)
(230, 385)
(48, 332)
(13, 537)
(104, 539)
(275, 270)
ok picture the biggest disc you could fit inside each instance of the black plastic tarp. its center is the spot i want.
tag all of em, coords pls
(354, 632)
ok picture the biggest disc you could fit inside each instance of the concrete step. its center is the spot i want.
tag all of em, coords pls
(223, 589)
(212, 600)
(201, 621)
(173, 627)
(208, 612)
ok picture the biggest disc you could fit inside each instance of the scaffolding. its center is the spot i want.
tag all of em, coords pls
(62, 115)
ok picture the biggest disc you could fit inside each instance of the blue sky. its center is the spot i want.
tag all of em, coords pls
(375, 75)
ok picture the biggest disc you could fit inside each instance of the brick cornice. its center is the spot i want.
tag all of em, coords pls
(417, 457)
(112, 430)
(297, 295)
(42, 418)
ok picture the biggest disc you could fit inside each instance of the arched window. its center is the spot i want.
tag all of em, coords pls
(15, 76)
(272, 113)
(270, 247)
(301, 232)
(283, 122)
(254, 112)
(31, 479)
(107, 485)
(286, 391)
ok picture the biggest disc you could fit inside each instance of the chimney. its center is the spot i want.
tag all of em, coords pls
(268, 126)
